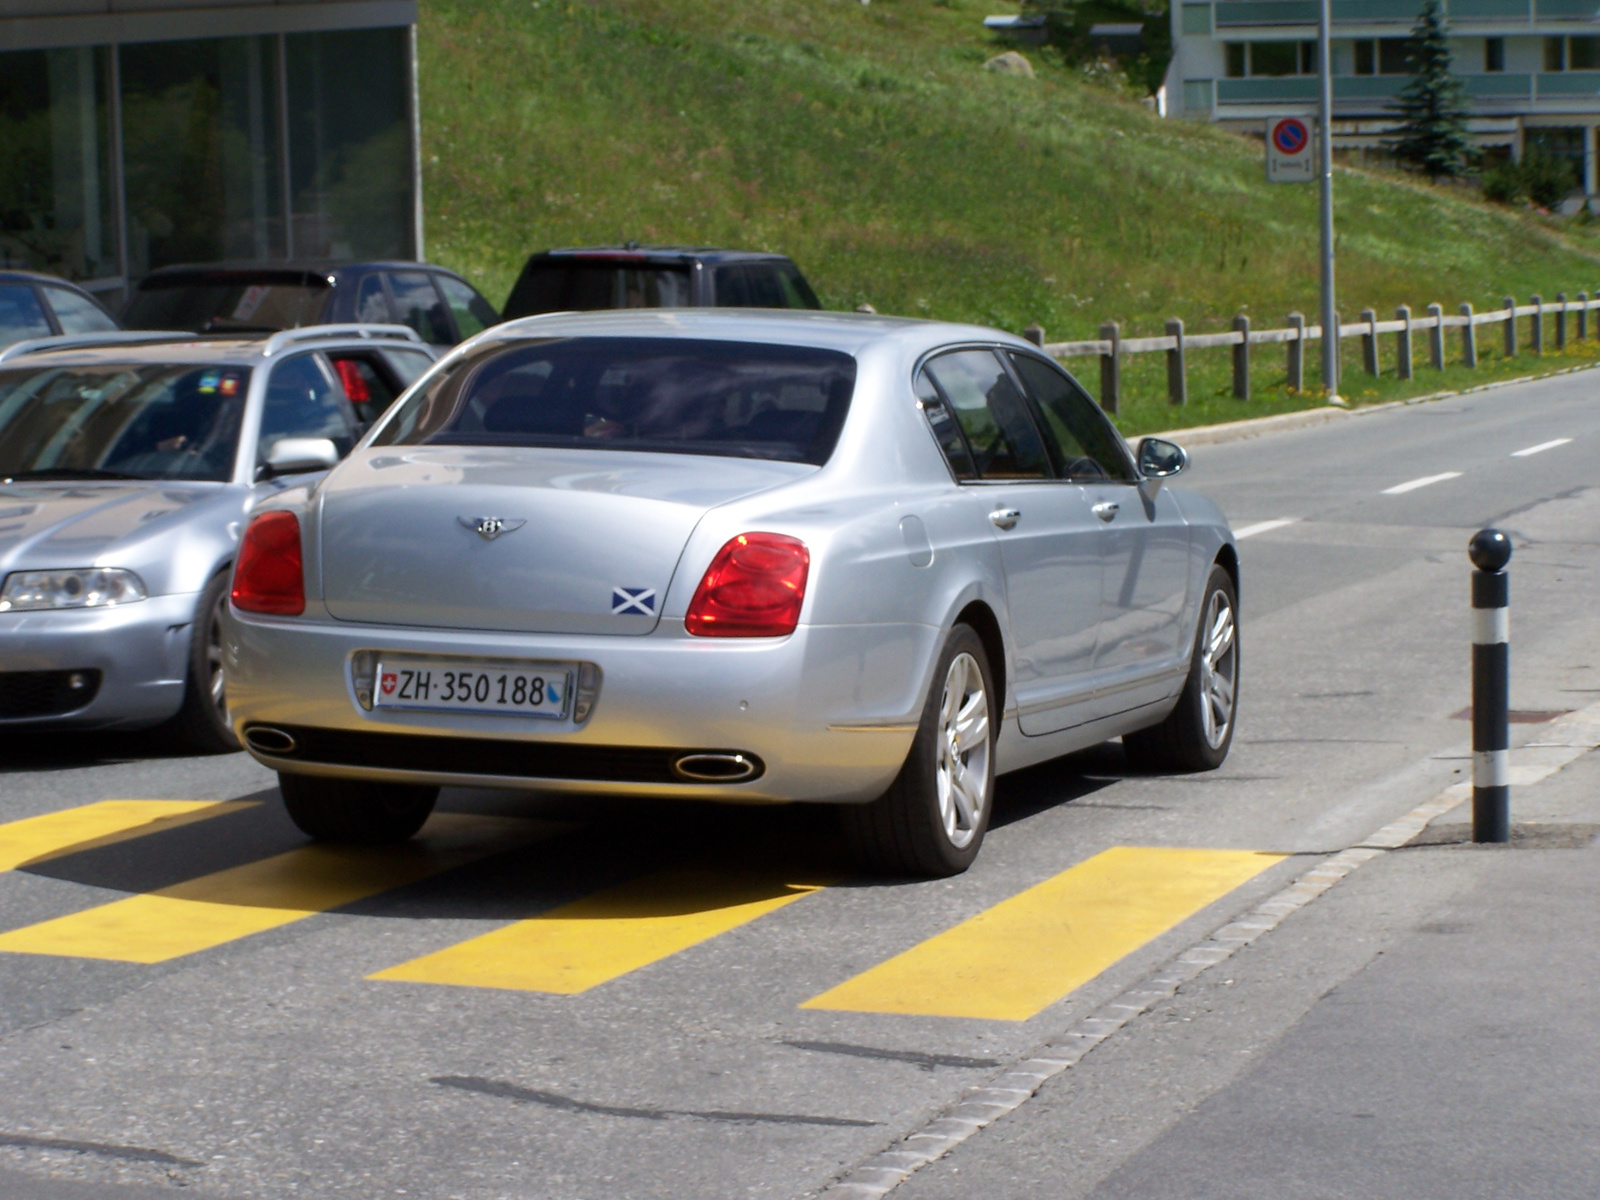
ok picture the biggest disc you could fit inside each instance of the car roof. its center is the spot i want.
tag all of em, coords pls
(10, 275)
(634, 252)
(208, 349)
(847, 332)
(318, 269)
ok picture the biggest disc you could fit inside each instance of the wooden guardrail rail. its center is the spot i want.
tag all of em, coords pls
(1110, 346)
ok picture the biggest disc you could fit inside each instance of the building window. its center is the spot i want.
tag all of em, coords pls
(1381, 56)
(1197, 19)
(1494, 54)
(1555, 54)
(1197, 97)
(1271, 59)
(56, 201)
(1572, 53)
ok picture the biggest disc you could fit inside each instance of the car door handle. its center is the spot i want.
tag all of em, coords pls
(1005, 518)
(1106, 509)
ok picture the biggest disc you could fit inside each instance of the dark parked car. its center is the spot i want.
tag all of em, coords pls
(656, 277)
(36, 306)
(252, 298)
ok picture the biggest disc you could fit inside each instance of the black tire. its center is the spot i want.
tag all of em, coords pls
(355, 811)
(1187, 740)
(905, 831)
(202, 723)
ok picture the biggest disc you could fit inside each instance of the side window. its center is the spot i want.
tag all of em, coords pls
(472, 312)
(78, 314)
(1083, 443)
(733, 288)
(369, 383)
(372, 306)
(944, 427)
(797, 292)
(421, 308)
(765, 287)
(408, 365)
(303, 401)
(21, 315)
(992, 414)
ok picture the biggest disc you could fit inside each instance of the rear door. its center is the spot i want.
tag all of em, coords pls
(1050, 543)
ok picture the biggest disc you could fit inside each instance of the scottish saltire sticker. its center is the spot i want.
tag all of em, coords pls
(625, 600)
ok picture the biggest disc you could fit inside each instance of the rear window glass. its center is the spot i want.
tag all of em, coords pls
(582, 287)
(78, 314)
(671, 395)
(21, 315)
(224, 306)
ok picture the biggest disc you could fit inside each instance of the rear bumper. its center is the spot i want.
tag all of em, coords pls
(828, 713)
(141, 652)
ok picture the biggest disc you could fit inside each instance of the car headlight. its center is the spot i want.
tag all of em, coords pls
(90, 587)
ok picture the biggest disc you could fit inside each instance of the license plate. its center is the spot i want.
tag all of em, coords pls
(442, 685)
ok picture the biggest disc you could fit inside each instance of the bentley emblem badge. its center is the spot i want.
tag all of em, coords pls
(489, 528)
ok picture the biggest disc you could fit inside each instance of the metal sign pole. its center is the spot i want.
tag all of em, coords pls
(1330, 318)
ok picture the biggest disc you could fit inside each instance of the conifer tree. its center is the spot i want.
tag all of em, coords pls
(1432, 106)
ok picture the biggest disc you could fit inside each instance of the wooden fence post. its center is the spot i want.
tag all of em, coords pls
(1177, 368)
(1561, 322)
(1297, 353)
(1035, 334)
(1583, 316)
(1369, 342)
(1436, 337)
(1469, 339)
(1241, 358)
(1111, 367)
(1511, 327)
(1536, 337)
(1402, 356)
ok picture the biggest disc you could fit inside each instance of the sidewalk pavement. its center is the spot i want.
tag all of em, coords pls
(1458, 1060)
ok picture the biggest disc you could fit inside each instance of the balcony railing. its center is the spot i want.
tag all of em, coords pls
(1302, 89)
(1399, 12)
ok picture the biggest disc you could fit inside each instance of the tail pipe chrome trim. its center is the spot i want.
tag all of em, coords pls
(716, 767)
(267, 740)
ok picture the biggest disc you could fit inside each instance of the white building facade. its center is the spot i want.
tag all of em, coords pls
(1531, 68)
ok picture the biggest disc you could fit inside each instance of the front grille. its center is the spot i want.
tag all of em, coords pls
(45, 693)
(489, 756)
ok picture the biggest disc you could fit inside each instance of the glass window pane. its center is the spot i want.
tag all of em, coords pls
(303, 402)
(21, 315)
(944, 427)
(1274, 58)
(200, 142)
(1392, 53)
(992, 414)
(1083, 443)
(1583, 53)
(76, 313)
(409, 365)
(1366, 58)
(420, 306)
(1494, 54)
(350, 144)
(56, 205)
(1236, 63)
(1555, 54)
(372, 304)
(796, 290)
(472, 312)
(733, 289)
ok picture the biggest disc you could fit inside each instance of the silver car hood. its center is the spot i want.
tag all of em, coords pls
(83, 524)
(588, 539)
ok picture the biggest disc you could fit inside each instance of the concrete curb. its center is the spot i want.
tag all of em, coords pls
(1233, 431)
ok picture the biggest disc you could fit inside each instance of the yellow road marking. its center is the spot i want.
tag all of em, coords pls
(1017, 958)
(580, 945)
(53, 835)
(205, 912)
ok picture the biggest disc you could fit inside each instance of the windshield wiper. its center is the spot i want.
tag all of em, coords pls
(71, 473)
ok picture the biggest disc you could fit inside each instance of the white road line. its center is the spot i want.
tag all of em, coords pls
(1412, 485)
(1263, 527)
(1540, 448)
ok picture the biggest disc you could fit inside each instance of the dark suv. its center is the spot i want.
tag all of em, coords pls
(38, 306)
(656, 277)
(253, 298)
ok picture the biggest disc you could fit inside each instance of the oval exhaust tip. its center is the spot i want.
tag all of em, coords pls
(269, 741)
(715, 768)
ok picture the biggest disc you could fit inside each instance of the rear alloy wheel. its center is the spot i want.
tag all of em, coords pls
(202, 722)
(932, 819)
(1199, 731)
(355, 811)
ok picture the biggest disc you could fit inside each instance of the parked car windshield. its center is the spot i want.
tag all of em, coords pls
(210, 305)
(583, 286)
(670, 395)
(128, 421)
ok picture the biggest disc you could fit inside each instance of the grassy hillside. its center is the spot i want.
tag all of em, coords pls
(867, 141)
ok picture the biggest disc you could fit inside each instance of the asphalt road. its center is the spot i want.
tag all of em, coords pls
(195, 1006)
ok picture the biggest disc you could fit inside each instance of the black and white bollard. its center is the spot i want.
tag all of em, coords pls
(1490, 550)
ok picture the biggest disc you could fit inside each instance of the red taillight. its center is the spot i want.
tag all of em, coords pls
(753, 588)
(355, 383)
(268, 576)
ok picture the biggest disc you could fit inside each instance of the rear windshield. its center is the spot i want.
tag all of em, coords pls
(583, 286)
(236, 305)
(133, 421)
(672, 395)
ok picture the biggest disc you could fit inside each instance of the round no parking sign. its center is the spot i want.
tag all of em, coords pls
(1289, 151)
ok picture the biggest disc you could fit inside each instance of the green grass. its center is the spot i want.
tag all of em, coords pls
(866, 141)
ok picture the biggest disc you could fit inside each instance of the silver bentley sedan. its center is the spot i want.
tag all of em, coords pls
(129, 464)
(741, 555)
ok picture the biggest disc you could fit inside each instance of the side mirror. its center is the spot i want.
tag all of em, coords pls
(1160, 459)
(293, 456)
